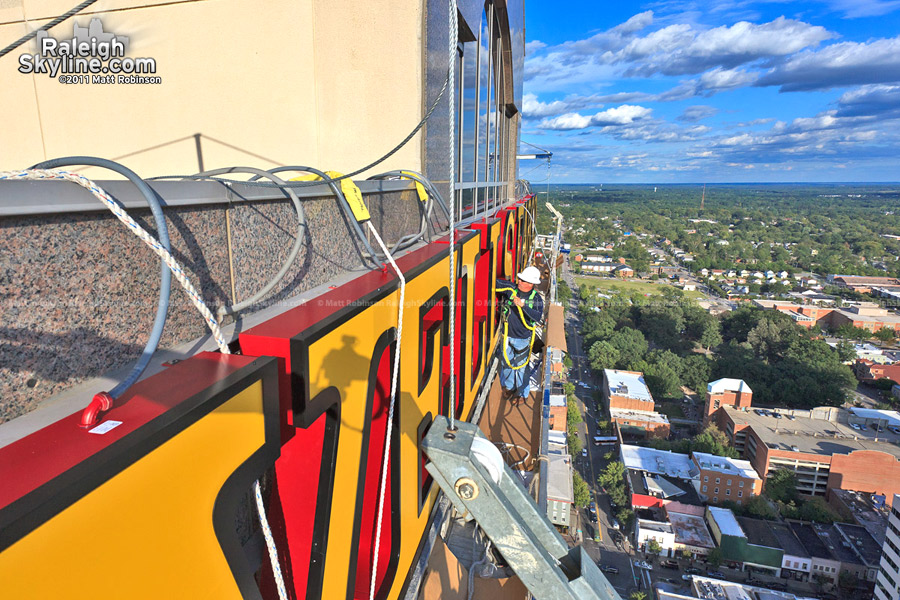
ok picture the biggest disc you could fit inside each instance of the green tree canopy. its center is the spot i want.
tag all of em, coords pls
(581, 491)
(713, 440)
(603, 355)
(712, 335)
(573, 415)
(781, 486)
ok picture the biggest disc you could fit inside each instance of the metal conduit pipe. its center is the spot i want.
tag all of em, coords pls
(424, 211)
(298, 241)
(342, 202)
(432, 191)
(165, 276)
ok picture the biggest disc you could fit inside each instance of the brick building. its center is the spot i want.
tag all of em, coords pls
(724, 478)
(865, 315)
(824, 454)
(653, 424)
(630, 404)
(626, 390)
(727, 392)
(866, 370)
(558, 412)
(863, 284)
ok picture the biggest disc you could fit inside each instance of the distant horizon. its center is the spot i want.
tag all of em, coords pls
(537, 186)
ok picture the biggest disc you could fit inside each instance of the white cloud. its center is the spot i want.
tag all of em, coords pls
(565, 122)
(875, 99)
(681, 49)
(723, 79)
(838, 65)
(533, 46)
(853, 9)
(620, 115)
(696, 113)
(617, 116)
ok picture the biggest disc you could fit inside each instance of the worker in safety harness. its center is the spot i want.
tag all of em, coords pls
(522, 308)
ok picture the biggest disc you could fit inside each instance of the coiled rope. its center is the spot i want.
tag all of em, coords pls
(178, 273)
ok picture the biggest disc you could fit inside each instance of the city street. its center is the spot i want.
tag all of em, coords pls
(606, 552)
(614, 549)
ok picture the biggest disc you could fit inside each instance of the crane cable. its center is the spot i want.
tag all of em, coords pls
(179, 274)
(452, 47)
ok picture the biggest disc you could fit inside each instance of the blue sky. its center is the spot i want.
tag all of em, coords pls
(713, 91)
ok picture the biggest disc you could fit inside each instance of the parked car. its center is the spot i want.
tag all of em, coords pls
(716, 574)
(687, 577)
(584, 452)
(609, 569)
(614, 523)
(642, 564)
(692, 571)
(669, 564)
(592, 507)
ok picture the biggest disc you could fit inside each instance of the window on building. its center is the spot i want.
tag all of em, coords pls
(704, 488)
(741, 484)
(716, 491)
(727, 492)
(740, 494)
(482, 125)
(716, 499)
(705, 478)
(728, 482)
(717, 481)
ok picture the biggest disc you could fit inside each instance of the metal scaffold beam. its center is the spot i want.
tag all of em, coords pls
(471, 471)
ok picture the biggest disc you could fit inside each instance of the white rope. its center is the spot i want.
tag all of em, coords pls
(390, 422)
(270, 542)
(178, 272)
(119, 212)
(451, 90)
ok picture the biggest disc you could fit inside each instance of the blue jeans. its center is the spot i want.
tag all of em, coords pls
(518, 351)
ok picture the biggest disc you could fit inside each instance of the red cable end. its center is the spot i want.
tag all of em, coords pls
(101, 402)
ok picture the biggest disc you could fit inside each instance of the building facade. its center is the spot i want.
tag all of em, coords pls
(823, 454)
(724, 478)
(727, 392)
(887, 583)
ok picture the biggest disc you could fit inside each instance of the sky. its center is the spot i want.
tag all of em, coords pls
(693, 91)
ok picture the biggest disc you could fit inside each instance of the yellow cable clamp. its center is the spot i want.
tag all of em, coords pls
(420, 189)
(351, 192)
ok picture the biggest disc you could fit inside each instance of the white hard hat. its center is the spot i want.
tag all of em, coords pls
(530, 275)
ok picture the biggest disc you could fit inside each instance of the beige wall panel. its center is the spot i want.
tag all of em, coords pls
(229, 71)
(369, 71)
(333, 84)
(21, 130)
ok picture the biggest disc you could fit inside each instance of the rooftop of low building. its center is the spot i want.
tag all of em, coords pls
(725, 465)
(727, 384)
(628, 384)
(811, 436)
(726, 521)
(661, 462)
(638, 415)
